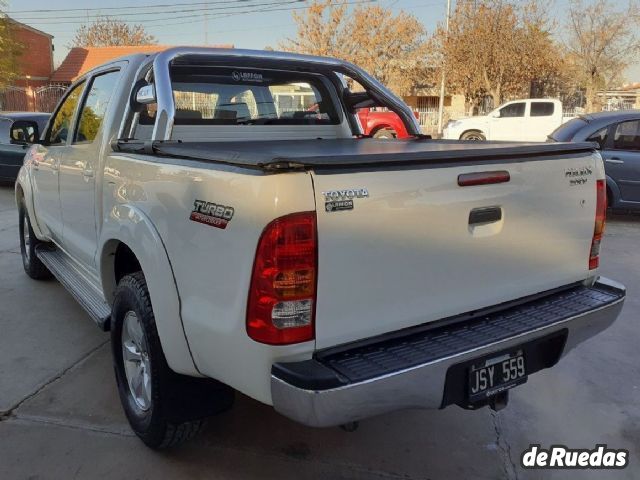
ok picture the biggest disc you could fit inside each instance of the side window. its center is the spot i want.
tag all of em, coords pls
(61, 123)
(95, 106)
(542, 109)
(627, 136)
(513, 110)
(600, 137)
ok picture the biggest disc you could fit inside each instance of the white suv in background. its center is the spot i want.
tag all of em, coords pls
(520, 120)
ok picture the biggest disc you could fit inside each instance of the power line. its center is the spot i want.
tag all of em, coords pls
(125, 7)
(248, 12)
(84, 18)
(197, 16)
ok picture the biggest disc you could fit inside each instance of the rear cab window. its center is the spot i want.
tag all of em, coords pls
(542, 109)
(225, 96)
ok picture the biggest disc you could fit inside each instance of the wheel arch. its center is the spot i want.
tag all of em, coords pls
(380, 126)
(475, 130)
(128, 233)
(23, 192)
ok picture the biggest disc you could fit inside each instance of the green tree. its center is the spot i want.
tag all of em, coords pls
(10, 50)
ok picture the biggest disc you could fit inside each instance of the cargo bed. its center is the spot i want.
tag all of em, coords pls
(352, 153)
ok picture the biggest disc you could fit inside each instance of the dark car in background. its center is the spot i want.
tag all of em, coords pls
(18, 130)
(618, 134)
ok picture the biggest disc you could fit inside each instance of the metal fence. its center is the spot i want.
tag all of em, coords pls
(14, 99)
(21, 99)
(46, 98)
(427, 109)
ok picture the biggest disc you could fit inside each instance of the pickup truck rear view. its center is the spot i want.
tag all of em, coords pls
(223, 215)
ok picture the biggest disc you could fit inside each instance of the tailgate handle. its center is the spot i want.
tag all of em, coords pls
(485, 215)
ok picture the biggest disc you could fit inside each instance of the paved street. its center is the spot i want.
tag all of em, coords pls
(60, 417)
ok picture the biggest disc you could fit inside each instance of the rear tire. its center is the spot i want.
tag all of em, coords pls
(385, 134)
(474, 135)
(164, 408)
(28, 243)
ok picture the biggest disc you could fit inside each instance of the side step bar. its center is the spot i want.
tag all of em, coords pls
(78, 286)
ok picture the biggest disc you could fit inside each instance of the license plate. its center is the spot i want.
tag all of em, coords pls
(493, 375)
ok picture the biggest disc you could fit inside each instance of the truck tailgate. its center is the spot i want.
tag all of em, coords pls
(420, 247)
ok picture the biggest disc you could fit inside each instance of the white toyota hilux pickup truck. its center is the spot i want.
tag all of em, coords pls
(222, 214)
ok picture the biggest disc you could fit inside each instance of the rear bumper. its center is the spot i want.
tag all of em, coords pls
(410, 369)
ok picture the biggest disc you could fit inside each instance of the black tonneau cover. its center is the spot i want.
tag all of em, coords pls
(363, 153)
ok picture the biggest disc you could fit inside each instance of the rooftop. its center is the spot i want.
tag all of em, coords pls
(80, 60)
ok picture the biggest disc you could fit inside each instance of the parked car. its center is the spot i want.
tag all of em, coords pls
(382, 124)
(618, 137)
(529, 120)
(229, 247)
(18, 130)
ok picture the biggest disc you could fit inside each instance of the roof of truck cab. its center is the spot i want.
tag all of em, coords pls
(351, 153)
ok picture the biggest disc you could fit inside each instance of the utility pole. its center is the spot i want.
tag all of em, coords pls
(442, 81)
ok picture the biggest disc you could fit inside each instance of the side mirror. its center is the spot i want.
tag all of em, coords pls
(495, 114)
(24, 132)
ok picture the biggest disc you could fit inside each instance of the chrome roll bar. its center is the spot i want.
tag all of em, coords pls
(166, 109)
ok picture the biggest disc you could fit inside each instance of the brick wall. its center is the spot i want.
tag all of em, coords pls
(37, 56)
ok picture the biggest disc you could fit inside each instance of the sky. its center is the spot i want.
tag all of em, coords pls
(182, 22)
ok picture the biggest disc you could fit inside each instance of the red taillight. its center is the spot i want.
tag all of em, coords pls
(282, 296)
(598, 231)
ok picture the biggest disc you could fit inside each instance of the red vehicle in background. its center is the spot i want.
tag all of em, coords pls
(380, 124)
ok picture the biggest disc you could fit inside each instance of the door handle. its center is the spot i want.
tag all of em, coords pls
(614, 160)
(485, 215)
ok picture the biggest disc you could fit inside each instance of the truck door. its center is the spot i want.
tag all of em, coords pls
(78, 170)
(508, 124)
(46, 164)
(541, 121)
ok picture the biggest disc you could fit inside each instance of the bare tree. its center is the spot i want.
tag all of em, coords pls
(108, 32)
(602, 42)
(496, 48)
(392, 47)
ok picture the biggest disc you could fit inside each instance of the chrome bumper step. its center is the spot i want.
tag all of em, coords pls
(410, 369)
(78, 286)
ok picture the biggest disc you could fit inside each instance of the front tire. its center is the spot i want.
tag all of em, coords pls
(28, 243)
(474, 135)
(164, 409)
